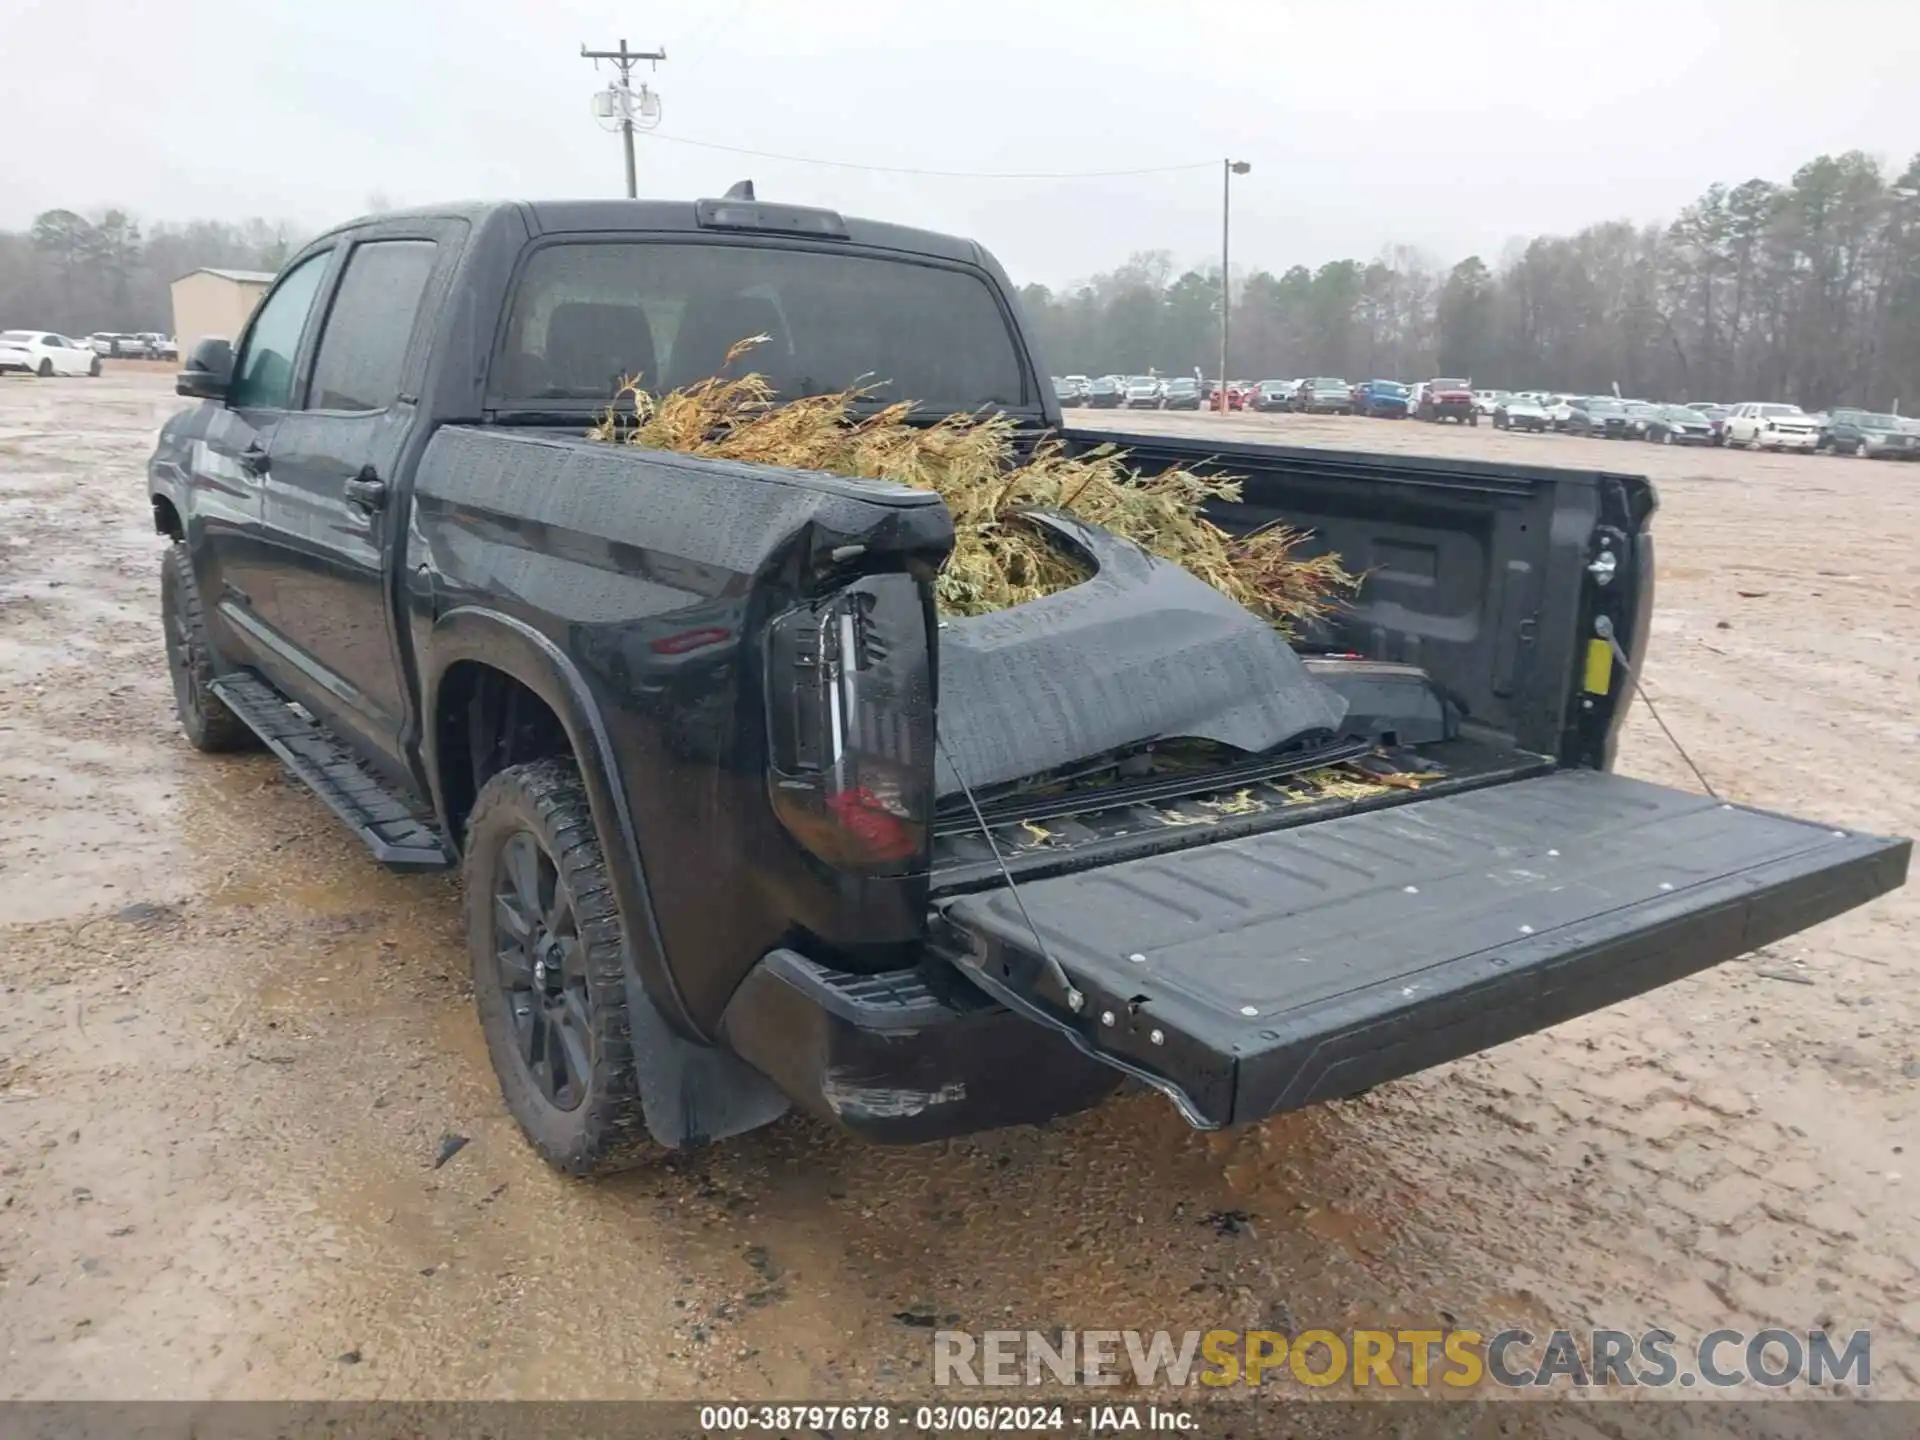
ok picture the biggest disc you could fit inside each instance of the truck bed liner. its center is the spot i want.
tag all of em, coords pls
(1300, 965)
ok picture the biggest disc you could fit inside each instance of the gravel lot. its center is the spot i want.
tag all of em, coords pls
(231, 1047)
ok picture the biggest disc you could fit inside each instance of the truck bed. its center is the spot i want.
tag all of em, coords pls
(1265, 973)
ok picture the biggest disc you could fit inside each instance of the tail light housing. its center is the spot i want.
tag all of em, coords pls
(850, 717)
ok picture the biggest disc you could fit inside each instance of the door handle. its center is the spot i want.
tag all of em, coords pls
(255, 460)
(367, 490)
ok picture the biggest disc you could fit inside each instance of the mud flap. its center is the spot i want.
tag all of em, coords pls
(693, 1094)
(1273, 971)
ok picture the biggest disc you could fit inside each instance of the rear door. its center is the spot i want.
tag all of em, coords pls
(332, 501)
(1260, 974)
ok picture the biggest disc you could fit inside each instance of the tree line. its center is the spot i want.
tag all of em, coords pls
(76, 275)
(1806, 291)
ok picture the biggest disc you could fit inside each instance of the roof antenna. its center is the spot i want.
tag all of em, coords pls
(739, 190)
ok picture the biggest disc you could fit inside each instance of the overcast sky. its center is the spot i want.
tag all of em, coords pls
(1451, 126)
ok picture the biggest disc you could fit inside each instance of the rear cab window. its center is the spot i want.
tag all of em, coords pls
(588, 314)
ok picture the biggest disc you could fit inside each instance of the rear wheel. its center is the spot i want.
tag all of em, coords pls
(204, 718)
(45, 372)
(546, 943)
(1666, 437)
(93, 367)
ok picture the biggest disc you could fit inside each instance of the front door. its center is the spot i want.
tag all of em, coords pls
(229, 460)
(333, 502)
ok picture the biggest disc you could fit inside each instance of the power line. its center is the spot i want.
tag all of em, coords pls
(939, 174)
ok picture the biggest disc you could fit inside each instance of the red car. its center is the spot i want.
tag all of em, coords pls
(1236, 395)
(1449, 400)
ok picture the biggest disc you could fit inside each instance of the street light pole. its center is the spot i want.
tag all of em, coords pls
(1228, 169)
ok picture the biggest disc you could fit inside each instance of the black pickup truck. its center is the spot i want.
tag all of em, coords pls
(745, 823)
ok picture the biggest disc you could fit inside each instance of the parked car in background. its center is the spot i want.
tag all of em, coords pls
(1715, 416)
(1640, 414)
(1449, 400)
(1601, 416)
(1485, 402)
(1678, 425)
(165, 347)
(1143, 393)
(1522, 412)
(1324, 395)
(1873, 435)
(1270, 395)
(1072, 390)
(1105, 393)
(1560, 410)
(1767, 425)
(45, 353)
(1180, 393)
(1381, 399)
(1236, 394)
(101, 342)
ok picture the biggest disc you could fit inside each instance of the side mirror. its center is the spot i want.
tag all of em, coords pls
(207, 372)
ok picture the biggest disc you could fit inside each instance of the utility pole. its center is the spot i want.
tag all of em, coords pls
(618, 99)
(1228, 169)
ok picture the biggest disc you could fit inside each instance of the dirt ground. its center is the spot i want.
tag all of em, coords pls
(231, 1048)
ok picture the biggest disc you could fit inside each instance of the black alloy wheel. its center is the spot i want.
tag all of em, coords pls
(540, 969)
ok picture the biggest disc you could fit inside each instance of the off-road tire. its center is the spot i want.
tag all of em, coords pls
(606, 1132)
(204, 718)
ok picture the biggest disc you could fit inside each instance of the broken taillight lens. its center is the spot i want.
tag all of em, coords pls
(849, 686)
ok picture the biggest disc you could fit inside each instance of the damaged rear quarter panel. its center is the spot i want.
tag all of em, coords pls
(654, 573)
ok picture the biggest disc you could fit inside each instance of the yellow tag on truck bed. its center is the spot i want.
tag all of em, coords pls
(1599, 667)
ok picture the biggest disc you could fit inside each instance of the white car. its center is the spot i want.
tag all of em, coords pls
(1559, 410)
(43, 353)
(1522, 412)
(1485, 402)
(1766, 426)
(1142, 393)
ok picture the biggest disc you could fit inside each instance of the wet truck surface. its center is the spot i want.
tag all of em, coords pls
(743, 824)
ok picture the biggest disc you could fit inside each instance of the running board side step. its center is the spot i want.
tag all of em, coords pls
(389, 825)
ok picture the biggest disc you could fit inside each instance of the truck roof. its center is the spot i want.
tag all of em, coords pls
(669, 216)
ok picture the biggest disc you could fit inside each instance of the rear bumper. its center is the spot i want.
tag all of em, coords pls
(895, 1062)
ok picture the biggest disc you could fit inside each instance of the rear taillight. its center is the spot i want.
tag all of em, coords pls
(849, 685)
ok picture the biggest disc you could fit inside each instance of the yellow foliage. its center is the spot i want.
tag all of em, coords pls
(1000, 558)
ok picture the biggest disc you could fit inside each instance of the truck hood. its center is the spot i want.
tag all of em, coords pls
(1140, 651)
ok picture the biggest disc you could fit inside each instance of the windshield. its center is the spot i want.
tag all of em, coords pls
(1141, 380)
(587, 314)
(1605, 407)
(1640, 407)
(1185, 387)
(1878, 422)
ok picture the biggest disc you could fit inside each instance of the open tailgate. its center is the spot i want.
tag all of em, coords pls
(1265, 973)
